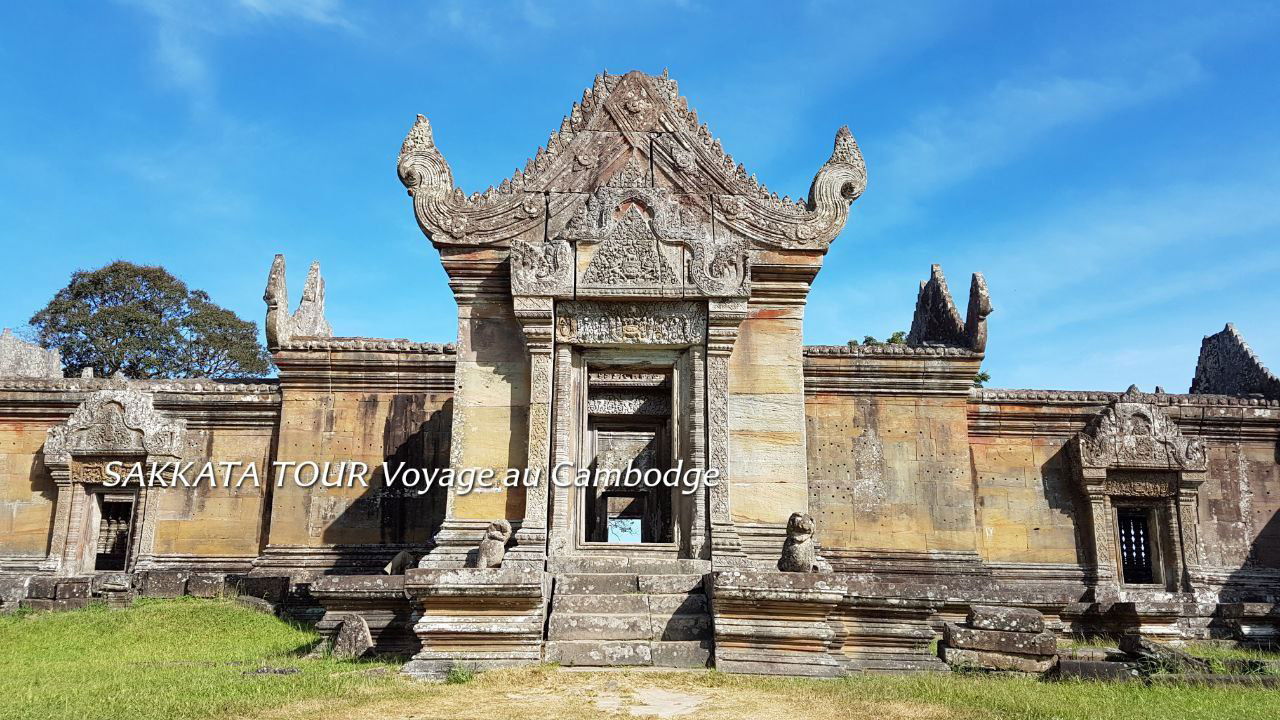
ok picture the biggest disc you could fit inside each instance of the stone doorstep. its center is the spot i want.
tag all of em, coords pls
(1009, 619)
(1020, 643)
(987, 660)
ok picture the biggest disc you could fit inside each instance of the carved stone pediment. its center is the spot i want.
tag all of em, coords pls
(629, 131)
(1137, 435)
(112, 423)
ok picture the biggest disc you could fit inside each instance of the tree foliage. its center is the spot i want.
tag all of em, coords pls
(145, 323)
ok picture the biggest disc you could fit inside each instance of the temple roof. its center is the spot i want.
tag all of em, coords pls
(631, 130)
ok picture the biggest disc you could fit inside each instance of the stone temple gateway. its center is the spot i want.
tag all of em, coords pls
(635, 298)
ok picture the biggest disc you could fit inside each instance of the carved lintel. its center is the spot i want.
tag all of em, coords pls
(629, 323)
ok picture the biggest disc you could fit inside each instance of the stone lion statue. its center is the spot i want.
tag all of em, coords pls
(800, 552)
(493, 547)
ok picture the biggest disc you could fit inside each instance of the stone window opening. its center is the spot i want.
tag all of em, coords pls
(1141, 559)
(114, 532)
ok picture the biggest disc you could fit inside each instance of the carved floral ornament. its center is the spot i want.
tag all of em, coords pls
(1138, 435)
(113, 423)
(625, 110)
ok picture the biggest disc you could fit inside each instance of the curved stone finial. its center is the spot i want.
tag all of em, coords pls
(937, 322)
(23, 359)
(308, 320)
(975, 324)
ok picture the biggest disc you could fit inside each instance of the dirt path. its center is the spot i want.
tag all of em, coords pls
(551, 694)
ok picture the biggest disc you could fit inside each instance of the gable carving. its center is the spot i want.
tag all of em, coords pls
(629, 131)
(629, 256)
(115, 422)
(1137, 435)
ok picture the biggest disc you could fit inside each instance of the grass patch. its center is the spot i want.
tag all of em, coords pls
(191, 658)
(183, 658)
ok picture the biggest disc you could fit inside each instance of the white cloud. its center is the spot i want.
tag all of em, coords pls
(184, 30)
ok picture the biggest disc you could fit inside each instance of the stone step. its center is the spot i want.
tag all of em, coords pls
(607, 604)
(616, 583)
(600, 653)
(629, 653)
(597, 584)
(574, 626)
(681, 627)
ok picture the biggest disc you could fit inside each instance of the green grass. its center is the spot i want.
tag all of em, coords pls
(182, 658)
(190, 658)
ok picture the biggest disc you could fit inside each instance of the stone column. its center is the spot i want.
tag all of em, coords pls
(1106, 579)
(1187, 509)
(723, 319)
(560, 540)
(536, 316)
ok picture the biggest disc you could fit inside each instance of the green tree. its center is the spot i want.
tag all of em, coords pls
(981, 377)
(145, 323)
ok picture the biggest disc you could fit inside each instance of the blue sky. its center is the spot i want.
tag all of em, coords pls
(1113, 168)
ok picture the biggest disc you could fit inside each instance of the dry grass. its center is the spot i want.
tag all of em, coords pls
(548, 693)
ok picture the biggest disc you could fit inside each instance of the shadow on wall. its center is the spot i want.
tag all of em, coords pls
(400, 515)
(1062, 492)
(1255, 581)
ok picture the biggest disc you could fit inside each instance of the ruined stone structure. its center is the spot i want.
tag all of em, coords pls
(634, 297)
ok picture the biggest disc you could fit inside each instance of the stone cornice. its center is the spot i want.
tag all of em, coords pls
(1063, 413)
(365, 364)
(890, 370)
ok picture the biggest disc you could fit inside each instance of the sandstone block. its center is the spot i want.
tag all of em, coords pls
(68, 589)
(271, 589)
(686, 654)
(1071, 669)
(593, 584)
(987, 660)
(1021, 643)
(164, 583)
(670, 584)
(589, 652)
(623, 604)
(206, 585)
(1167, 657)
(598, 627)
(1010, 619)
(353, 639)
(42, 587)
